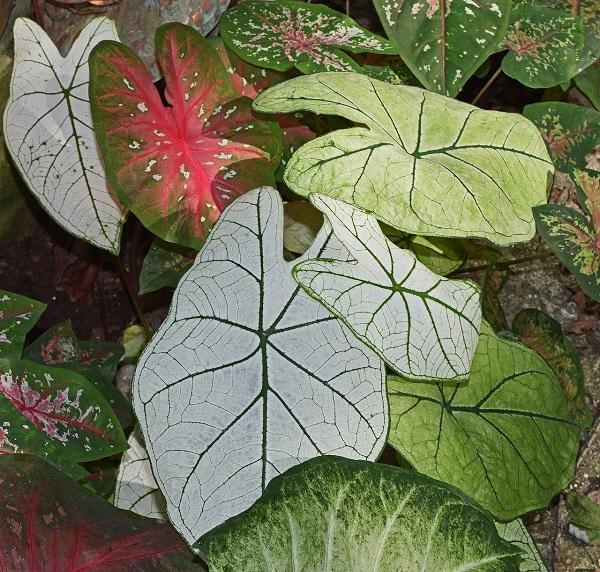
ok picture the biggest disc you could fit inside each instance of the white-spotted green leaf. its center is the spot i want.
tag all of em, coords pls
(422, 325)
(249, 376)
(518, 535)
(506, 437)
(420, 162)
(136, 489)
(443, 42)
(49, 133)
(339, 515)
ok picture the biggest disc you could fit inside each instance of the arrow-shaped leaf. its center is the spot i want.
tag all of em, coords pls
(49, 133)
(424, 163)
(249, 376)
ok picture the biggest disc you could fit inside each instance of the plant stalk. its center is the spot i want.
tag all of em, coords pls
(504, 263)
(487, 85)
(133, 298)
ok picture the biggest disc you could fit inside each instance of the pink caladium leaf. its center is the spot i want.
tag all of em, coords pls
(178, 166)
(48, 522)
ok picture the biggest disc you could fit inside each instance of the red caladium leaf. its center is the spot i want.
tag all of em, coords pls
(178, 167)
(49, 523)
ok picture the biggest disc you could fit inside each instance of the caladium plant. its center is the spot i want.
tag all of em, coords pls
(178, 167)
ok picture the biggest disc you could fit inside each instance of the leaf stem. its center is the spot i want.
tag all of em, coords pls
(347, 7)
(504, 263)
(133, 297)
(487, 85)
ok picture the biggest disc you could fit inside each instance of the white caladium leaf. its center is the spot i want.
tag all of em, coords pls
(249, 376)
(49, 133)
(421, 324)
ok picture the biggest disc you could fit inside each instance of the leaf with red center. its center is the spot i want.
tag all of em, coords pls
(286, 34)
(18, 314)
(178, 167)
(48, 522)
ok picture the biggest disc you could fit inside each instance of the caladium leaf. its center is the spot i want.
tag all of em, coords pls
(544, 45)
(48, 522)
(248, 375)
(136, 489)
(48, 131)
(588, 82)
(18, 314)
(424, 163)
(164, 265)
(518, 535)
(286, 34)
(422, 325)
(177, 167)
(571, 132)
(506, 438)
(444, 42)
(55, 346)
(338, 514)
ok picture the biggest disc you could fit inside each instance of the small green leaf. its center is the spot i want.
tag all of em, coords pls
(57, 345)
(340, 515)
(518, 535)
(18, 314)
(164, 265)
(585, 518)
(441, 255)
(507, 437)
(588, 82)
(135, 339)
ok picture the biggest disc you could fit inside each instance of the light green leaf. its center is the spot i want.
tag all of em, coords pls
(516, 533)
(249, 376)
(507, 437)
(585, 518)
(339, 515)
(441, 255)
(420, 162)
(422, 325)
(164, 265)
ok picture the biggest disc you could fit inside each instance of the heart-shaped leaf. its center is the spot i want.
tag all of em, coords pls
(286, 34)
(341, 515)
(249, 376)
(544, 45)
(49, 133)
(507, 437)
(444, 42)
(424, 163)
(48, 522)
(518, 535)
(177, 167)
(422, 325)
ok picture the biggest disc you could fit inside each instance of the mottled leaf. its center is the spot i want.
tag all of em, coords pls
(249, 376)
(506, 438)
(585, 518)
(424, 163)
(443, 42)
(18, 314)
(49, 134)
(517, 534)
(164, 265)
(177, 167)
(422, 325)
(336, 514)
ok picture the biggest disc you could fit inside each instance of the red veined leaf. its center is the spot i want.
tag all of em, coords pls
(178, 167)
(49, 523)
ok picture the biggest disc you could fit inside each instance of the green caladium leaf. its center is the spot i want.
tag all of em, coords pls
(338, 514)
(49, 134)
(18, 314)
(444, 42)
(544, 45)
(507, 437)
(248, 375)
(545, 335)
(571, 132)
(55, 346)
(164, 265)
(286, 34)
(588, 82)
(585, 518)
(420, 162)
(422, 325)
(517, 534)
(572, 237)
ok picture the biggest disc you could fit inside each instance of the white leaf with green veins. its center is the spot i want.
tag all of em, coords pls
(516, 533)
(49, 133)
(422, 325)
(249, 376)
(420, 162)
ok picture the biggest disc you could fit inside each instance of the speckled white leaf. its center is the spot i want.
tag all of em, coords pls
(421, 324)
(49, 133)
(249, 376)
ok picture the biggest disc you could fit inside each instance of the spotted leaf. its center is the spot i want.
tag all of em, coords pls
(18, 314)
(420, 162)
(444, 42)
(178, 167)
(249, 376)
(49, 134)
(286, 34)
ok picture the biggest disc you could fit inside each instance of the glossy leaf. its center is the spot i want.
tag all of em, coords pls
(286, 34)
(164, 265)
(517, 534)
(422, 325)
(585, 518)
(177, 167)
(18, 314)
(248, 376)
(420, 162)
(48, 131)
(336, 514)
(544, 46)
(444, 42)
(588, 82)
(506, 438)
(48, 522)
